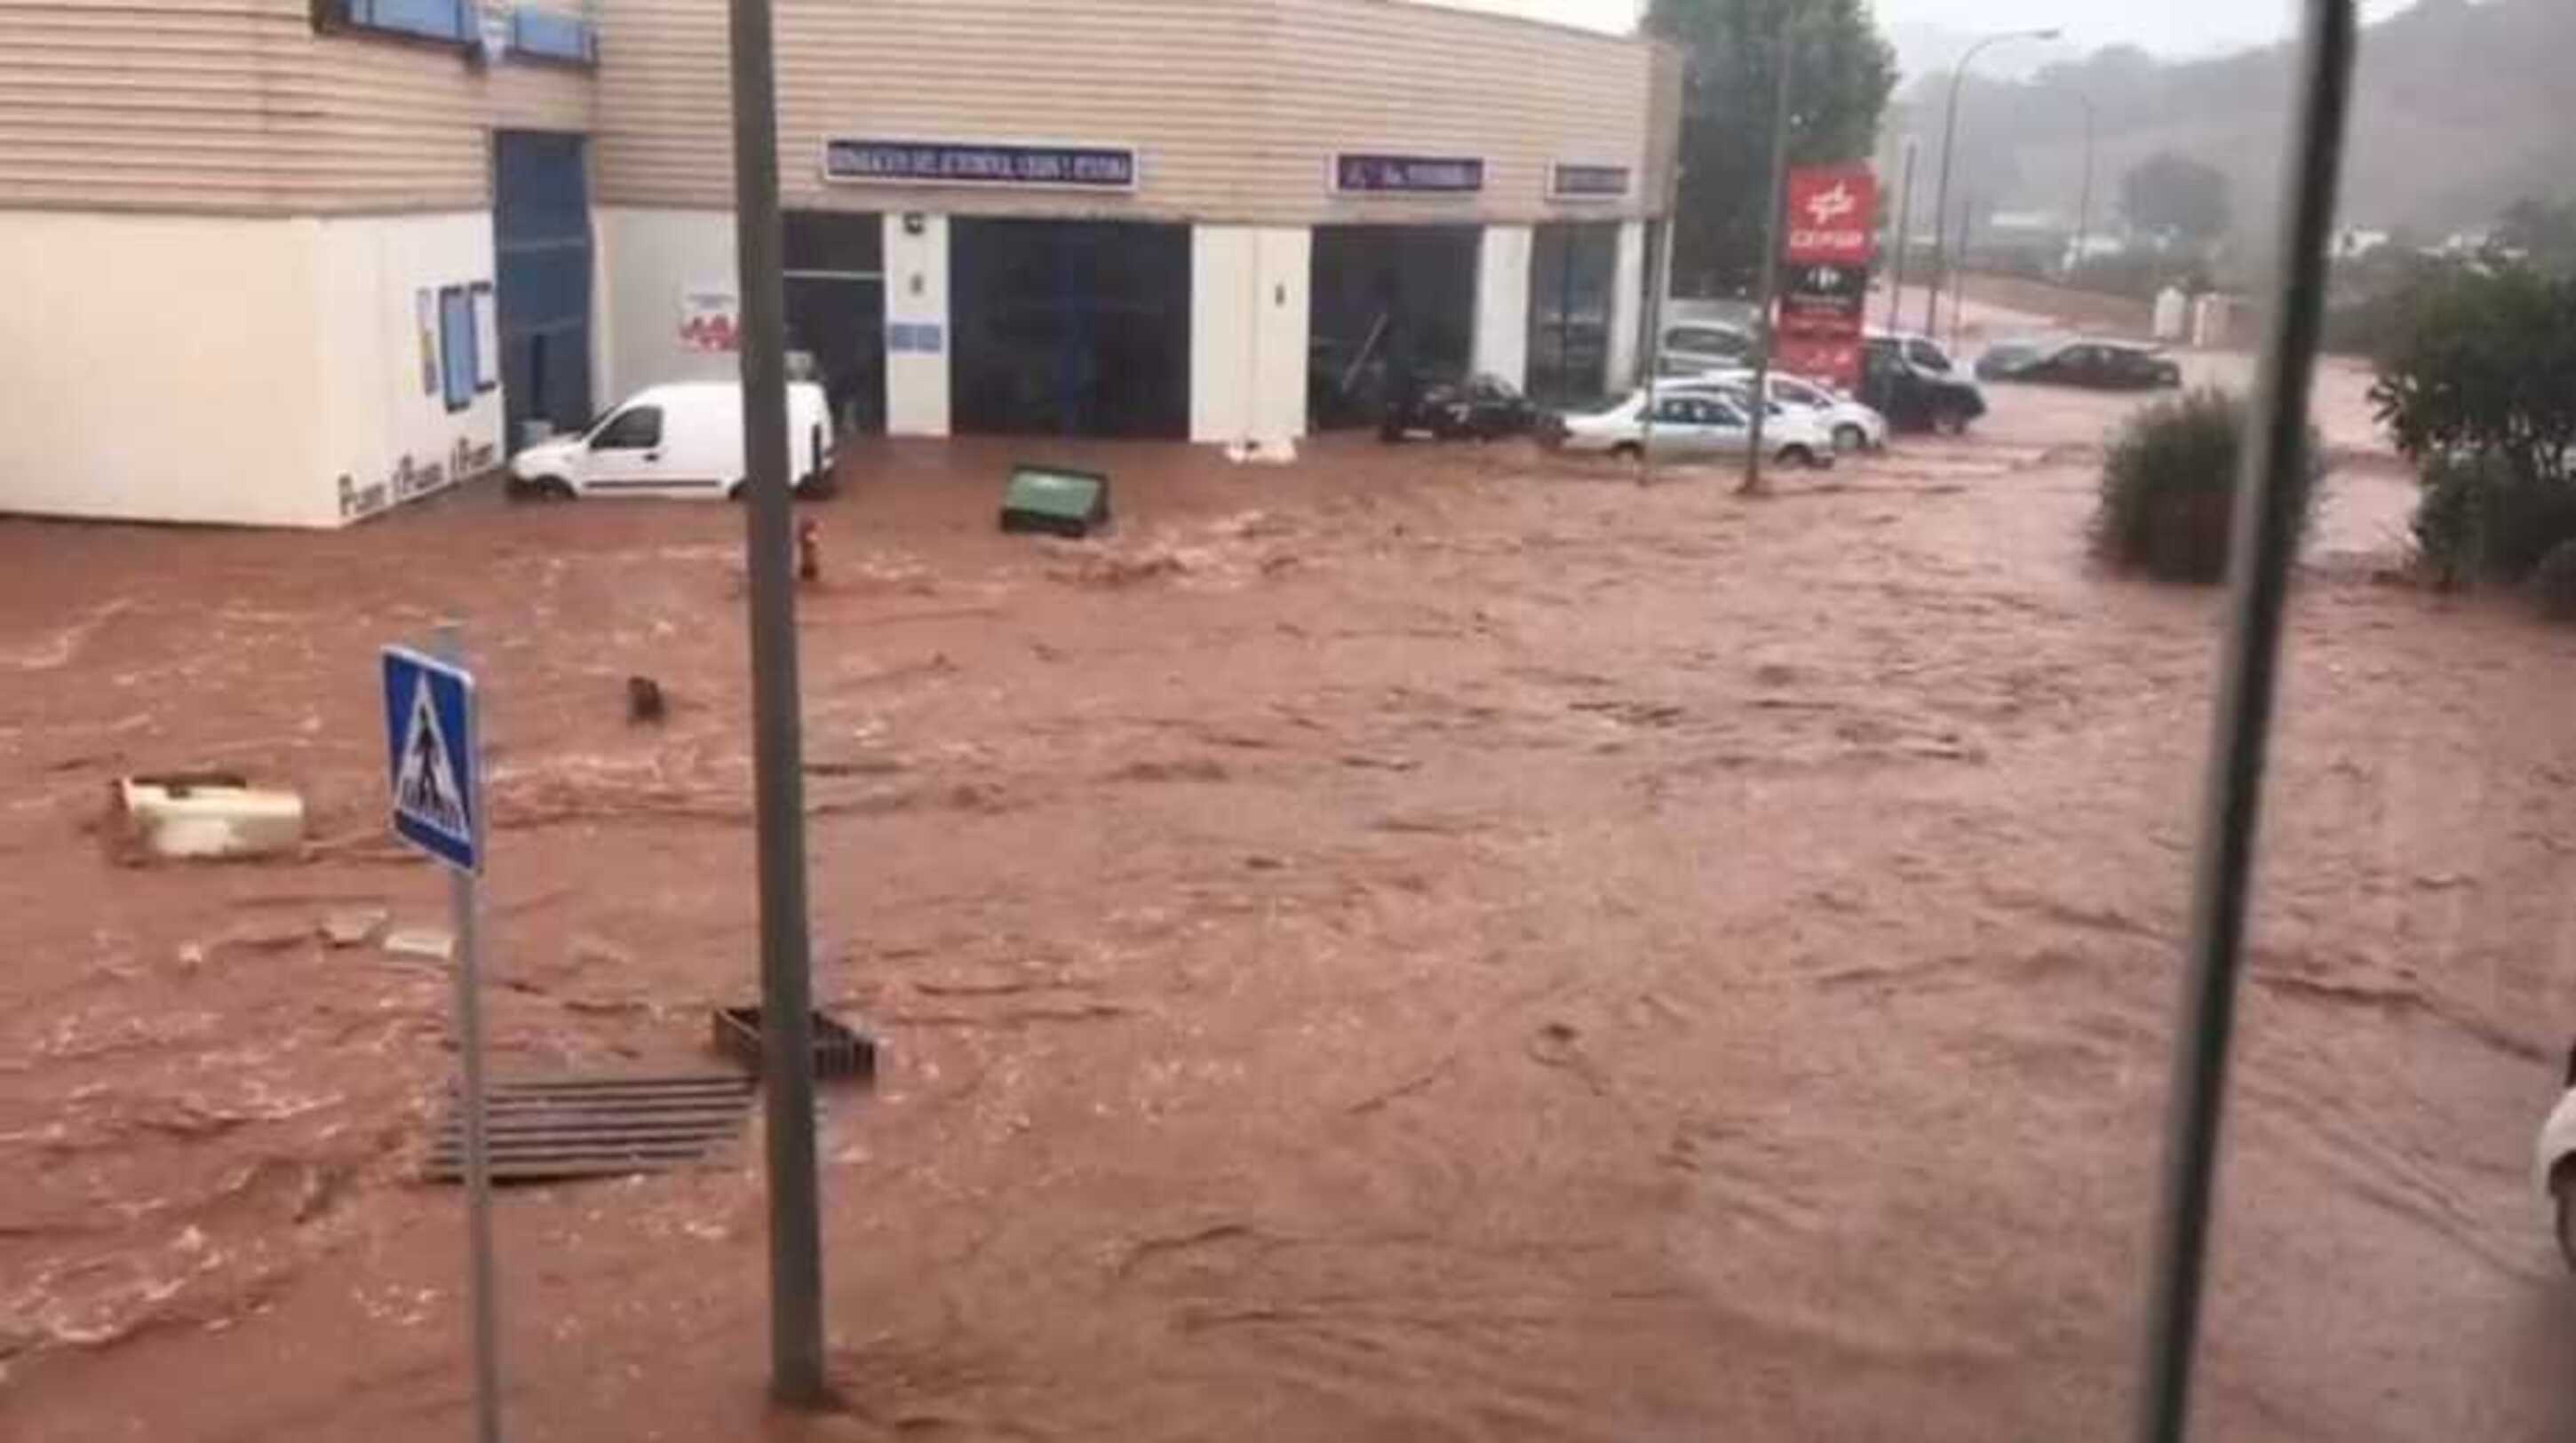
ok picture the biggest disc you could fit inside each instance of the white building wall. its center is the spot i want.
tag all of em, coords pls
(650, 259)
(1249, 302)
(161, 368)
(1627, 306)
(383, 432)
(916, 298)
(1502, 303)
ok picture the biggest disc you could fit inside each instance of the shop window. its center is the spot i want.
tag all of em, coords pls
(426, 19)
(538, 33)
(487, 339)
(456, 346)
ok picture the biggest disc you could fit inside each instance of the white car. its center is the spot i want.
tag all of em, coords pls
(1701, 420)
(682, 439)
(1853, 426)
(2554, 1166)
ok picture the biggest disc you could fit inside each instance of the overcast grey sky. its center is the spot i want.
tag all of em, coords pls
(2180, 27)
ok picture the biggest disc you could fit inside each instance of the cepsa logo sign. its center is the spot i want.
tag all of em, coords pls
(1833, 215)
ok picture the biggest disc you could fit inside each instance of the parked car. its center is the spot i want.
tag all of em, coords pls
(1693, 346)
(1701, 420)
(2103, 365)
(683, 439)
(1853, 426)
(1911, 382)
(1482, 408)
(2006, 358)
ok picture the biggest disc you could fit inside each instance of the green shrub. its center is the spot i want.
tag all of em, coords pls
(2483, 518)
(2168, 504)
(2553, 582)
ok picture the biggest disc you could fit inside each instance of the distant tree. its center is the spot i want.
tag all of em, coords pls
(1841, 76)
(2176, 195)
(2540, 234)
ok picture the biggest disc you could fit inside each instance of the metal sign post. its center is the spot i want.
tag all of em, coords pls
(432, 743)
(786, 980)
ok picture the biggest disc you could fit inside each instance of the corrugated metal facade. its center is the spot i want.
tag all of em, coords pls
(239, 107)
(1234, 105)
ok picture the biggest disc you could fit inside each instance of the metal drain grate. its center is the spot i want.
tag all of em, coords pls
(560, 1127)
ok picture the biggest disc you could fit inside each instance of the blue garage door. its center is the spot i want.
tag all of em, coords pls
(541, 230)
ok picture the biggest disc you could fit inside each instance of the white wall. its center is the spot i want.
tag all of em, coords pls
(1502, 303)
(1249, 289)
(916, 295)
(382, 432)
(648, 259)
(160, 368)
(1627, 306)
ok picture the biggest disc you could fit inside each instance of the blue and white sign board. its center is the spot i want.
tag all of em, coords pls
(429, 733)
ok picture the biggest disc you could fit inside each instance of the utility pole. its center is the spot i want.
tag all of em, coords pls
(1904, 229)
(1659, 271)
(1760, 401)
(786, 982)
(1958, 283)
(2084, 206)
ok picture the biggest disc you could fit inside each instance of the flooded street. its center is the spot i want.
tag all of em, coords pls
(1424, 943)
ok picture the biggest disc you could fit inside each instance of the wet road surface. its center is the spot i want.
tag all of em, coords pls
(1417, 944)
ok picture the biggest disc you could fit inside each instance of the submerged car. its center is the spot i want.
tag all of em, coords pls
(1482, 408)
(2006, 358)
(1852, 426)
(1911, 382)
(2102, 365)
(1701, 420)
(679, 439)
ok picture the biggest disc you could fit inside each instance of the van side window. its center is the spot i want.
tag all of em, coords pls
(637, 428)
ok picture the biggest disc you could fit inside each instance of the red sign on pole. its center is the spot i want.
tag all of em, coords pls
(1833, 216)
(1832, 235)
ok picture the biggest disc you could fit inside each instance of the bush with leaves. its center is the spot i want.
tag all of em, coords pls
(2168, 502)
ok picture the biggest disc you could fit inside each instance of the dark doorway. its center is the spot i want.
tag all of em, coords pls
(1573, 270)
(541, 263)
(836, 310)
(1394, 306)
(1077, 328)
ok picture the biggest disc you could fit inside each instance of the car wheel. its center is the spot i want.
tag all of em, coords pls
(1951, 419)
(1628, 451)
(1850, 437)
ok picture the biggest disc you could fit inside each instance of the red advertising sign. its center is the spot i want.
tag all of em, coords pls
(1833, 215)
(1832, 236)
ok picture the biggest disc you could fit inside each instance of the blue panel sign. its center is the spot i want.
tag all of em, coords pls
(1589, 182)
(943, 162)
(915, 338)
(1368, 174)
(429, 737)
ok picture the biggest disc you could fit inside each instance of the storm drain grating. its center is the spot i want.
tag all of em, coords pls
(558, 1127)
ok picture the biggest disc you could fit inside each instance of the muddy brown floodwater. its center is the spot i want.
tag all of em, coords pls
(1417, 944)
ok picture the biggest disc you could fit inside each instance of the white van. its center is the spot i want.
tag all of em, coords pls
(683, 439)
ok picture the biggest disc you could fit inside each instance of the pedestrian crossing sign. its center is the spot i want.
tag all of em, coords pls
(429, 733)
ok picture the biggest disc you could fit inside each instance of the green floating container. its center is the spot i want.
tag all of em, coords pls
(1055, 501)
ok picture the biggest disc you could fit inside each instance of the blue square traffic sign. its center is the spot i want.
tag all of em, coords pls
(429, 736)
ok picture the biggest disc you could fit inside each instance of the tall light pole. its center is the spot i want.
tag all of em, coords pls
(1766, 325)
(1949, 147)
(2084, 207)
(1904, 232)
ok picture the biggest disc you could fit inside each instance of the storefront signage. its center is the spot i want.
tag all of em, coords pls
(919, 338)
(943, 162)
(1833, 215)
(1372, 174)
(710, 316)
(1589, 182)
(1827, 298)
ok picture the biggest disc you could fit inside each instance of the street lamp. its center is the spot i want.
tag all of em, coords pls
(2084, 207)
(1949, 147)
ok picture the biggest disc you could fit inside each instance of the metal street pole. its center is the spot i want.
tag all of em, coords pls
(1904, 225)
(2084, 206)
(786, 984)
(1959, 291)
(1659, 269)
(2266, 529)
(1949, 146)
(1760, 400)
(465, 911)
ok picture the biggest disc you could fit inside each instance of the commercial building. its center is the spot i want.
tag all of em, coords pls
(293, 261)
